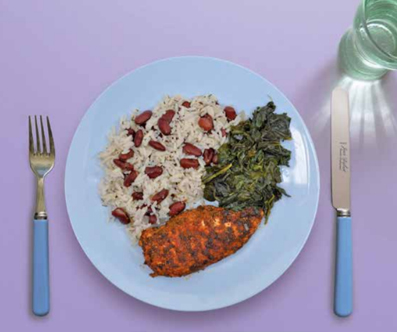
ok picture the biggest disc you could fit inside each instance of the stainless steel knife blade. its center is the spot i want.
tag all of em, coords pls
(340, 143)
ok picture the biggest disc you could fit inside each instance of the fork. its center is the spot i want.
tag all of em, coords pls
(41, 162)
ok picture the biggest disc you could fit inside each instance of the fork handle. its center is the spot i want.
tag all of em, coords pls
(41, 285)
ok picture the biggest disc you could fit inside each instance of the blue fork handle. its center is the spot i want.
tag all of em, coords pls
(343, 305)
(41, 285)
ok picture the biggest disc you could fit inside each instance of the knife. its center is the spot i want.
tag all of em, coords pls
(340, 150)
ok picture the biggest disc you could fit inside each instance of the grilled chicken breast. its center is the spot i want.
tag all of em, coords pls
(197, 238)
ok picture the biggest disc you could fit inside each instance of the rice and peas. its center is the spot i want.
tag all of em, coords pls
(126, 186)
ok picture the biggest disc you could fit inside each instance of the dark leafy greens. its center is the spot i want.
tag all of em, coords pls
(248, 172)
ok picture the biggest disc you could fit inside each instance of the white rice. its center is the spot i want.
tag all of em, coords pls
(183, 184)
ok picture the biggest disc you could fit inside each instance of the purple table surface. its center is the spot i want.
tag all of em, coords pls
(57, 56)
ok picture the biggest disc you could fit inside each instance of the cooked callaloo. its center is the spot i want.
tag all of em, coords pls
(248, 169)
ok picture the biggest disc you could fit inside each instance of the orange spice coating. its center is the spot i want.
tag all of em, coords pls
(197, 238)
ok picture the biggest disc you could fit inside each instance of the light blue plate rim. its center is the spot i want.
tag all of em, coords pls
(70, 190)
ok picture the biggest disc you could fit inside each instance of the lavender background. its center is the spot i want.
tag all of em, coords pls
(57, 56)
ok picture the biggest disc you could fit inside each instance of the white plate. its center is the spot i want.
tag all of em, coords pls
(271, 250)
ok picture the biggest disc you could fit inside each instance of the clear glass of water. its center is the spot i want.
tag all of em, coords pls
(369, 49)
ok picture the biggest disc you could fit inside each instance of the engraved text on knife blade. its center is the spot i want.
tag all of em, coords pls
(343, 157)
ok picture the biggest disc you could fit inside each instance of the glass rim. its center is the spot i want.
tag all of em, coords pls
(380, 49)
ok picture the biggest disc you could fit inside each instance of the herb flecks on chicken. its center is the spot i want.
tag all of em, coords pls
(248, 172)
(196, 239)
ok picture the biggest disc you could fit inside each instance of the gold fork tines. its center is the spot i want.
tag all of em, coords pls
(41, 160)
(42, 135)
(38, 145)
(41, 145)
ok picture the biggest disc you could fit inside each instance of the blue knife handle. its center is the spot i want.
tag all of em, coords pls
(343, 305)
(41, 285)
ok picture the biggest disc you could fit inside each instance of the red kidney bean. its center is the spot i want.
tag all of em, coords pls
(149, 211)
(130, 178)
(189, 163)
(160, 196)
(176, 208)
(138, 138)
(154, 171)
(121, 215)
(123, 165)
(129, 167)
(230, 113)
(224, 133)
(186, 104)
(192, 150)
(168, 116)
(164, 126)
(208, 155)
(152, 219)
(157, 145)
(119, 163)
(206, 122)
(126, 156)
(142, 118)
(215, 159)
(137, 196)
(131, 132)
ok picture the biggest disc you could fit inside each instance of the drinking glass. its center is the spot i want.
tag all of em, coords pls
(369, 48)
